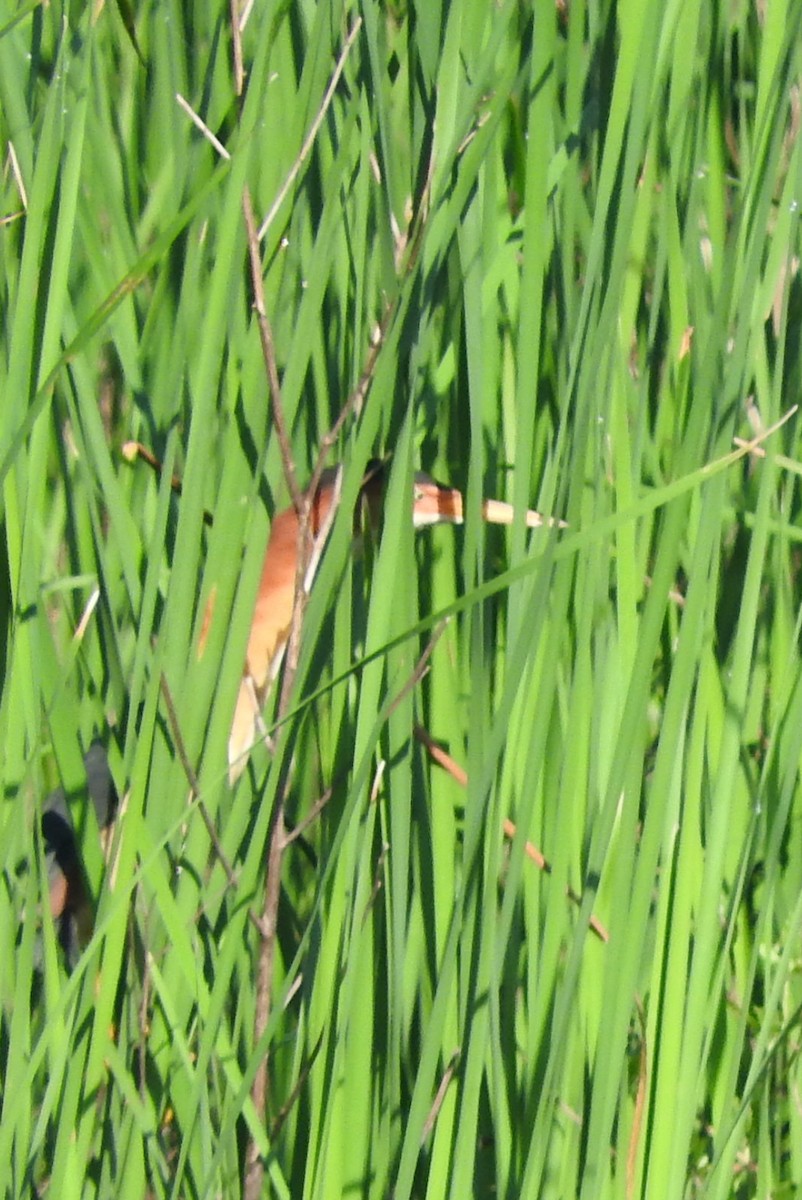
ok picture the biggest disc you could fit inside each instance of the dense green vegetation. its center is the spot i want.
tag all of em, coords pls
(559, 247)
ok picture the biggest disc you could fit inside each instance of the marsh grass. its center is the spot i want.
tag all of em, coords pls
(605, 293)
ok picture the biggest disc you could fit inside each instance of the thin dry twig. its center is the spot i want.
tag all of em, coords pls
(309, 141)
(421, 667)
(131, 451)
(269, 353)
(246, 15)
(437, 1103)
(200, 124)
(292, 1099)
(86, 616)
(458, 773)
(748, 446)
(310, 818)
(16, 171)
(781, 460)
(378, 882)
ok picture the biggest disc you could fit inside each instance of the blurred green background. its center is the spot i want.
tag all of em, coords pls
(570, 233)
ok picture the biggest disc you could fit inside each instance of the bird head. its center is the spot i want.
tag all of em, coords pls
(433, 503)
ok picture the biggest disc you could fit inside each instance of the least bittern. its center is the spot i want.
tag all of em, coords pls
(70, 904)
(433, 503)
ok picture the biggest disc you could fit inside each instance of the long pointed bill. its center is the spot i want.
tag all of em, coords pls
(496, 512)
